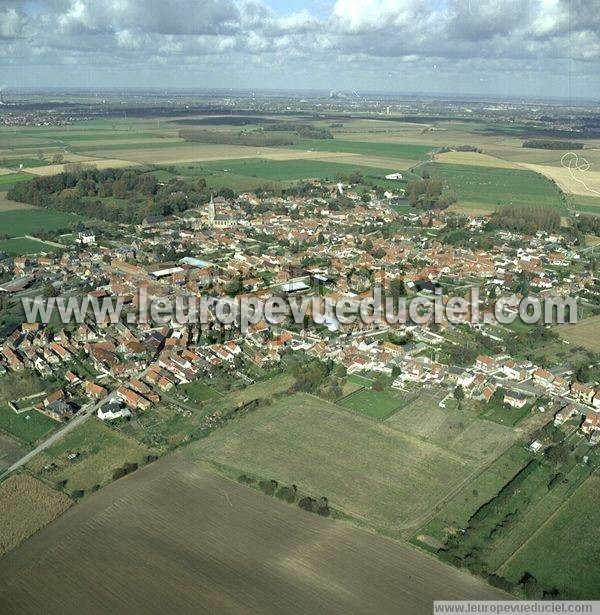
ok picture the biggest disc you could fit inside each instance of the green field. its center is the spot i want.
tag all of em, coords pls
(367, 148)
(8, 181)
(21, 245)
(492, 187)
(28, 426)
(506, 415)
(16, 223)
(200, 391)
(380, 476)
(456, 513)
(564, 552)
(290, 170)
(101, 451)
(376, 404)
(28, 163)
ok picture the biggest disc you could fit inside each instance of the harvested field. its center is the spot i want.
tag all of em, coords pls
(26, 506)
(99, 163)
(585, 183)
(475, 159)
(8, 205)
(176, 538)
(400, 164)
(584, 333)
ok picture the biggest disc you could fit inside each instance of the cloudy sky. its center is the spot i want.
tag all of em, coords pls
(508, 47)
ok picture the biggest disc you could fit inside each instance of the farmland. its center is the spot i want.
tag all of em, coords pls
(375, 474)
(26, 506)
(384, 150)
(565, 545)
(492, 187)
(289, 170)
(175, 537)
(19, 246)
(101, 451)
(583, 334)
(29, 221)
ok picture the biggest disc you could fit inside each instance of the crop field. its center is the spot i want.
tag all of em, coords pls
(455, 429)
(493, 187)
(101, 451)
(474, 159)
(367, 148)
(29, 221)
(585, 183)
(373, 473)
(288, 170)
(99, 163)
(28, 426)
(175, 537)
(563, 553)
(582, 334)
(376, 404)
(8, 181)
(26, 506)
(19, 246)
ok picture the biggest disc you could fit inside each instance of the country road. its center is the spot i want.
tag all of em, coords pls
(83, 415)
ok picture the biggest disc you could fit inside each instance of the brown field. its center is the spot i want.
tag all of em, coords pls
(474, 159)
(8, 205)
(26, 506)
(103, 163)
(177, 538)
(207, 152)
(584, 333)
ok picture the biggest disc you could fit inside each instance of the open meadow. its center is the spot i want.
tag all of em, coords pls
(31, 220)
(174, 537)
(563, 552)
(376, 474)
(582, 334)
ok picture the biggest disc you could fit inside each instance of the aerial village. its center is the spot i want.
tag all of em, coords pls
(260, 246)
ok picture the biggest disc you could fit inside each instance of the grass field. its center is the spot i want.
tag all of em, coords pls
(176, 538)
(28, 221)
(26, 506)
(19, 246)
(288, 170)
(379, 475)
(455, 514)
(200, 391)
(27, 426)
(101, 451)
(367, 148)
(506, 415)
(493, 187)
(564, 551)
(376, 404)
(8, 181)
(584, 333)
